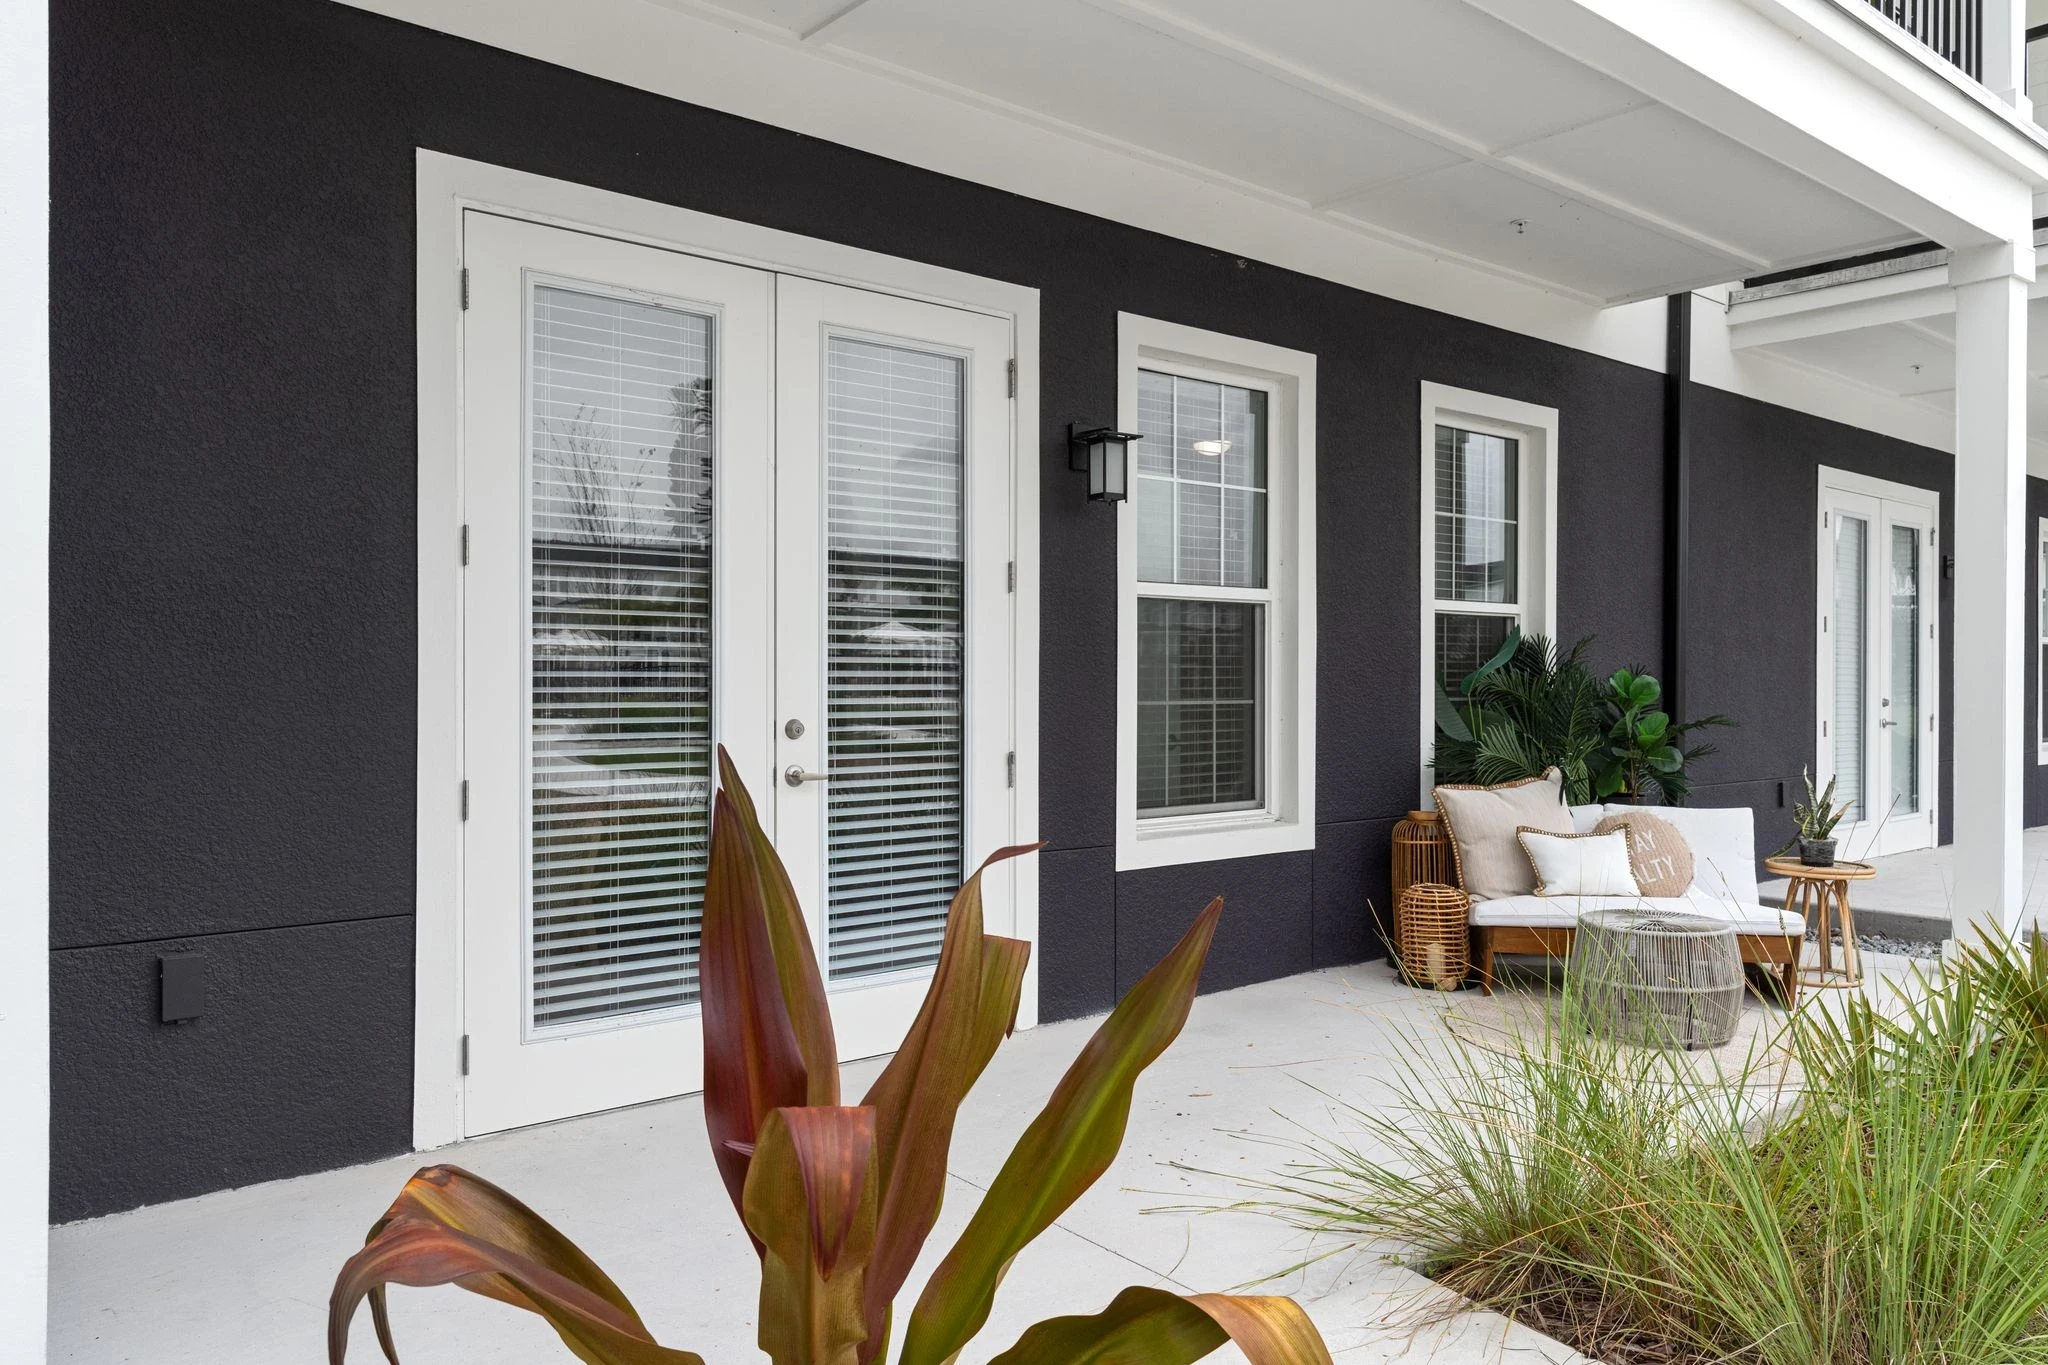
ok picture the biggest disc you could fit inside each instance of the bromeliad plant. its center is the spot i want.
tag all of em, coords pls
(838, 1199)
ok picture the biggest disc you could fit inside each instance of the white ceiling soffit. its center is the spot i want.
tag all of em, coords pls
(1915, 359)
(1421, 122)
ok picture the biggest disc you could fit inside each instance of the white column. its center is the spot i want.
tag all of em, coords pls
(24, 678)
(2005, 53)
(1990, 513)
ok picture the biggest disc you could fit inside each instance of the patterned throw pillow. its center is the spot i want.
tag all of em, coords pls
(1483, 822)
(1662, 858)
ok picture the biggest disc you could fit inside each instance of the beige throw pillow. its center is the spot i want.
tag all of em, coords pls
(1659, 853)
(1483, 822)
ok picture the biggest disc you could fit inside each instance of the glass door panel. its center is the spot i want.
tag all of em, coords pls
(1850, 635)
(620, 444)
(895, 631)
(1901, 704)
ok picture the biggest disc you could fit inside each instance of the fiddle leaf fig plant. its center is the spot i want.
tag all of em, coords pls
(1643, 751)
(838, 1198)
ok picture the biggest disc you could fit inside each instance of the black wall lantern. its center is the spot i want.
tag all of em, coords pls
(1103, 452)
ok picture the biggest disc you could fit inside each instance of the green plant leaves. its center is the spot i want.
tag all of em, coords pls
(1158, 1328)
(810, 1203)
(450, 1227)
(1070, 1144)
(969, 1008)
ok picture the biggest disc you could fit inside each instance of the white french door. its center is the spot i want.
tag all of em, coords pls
(710, 503)
(1878, 646)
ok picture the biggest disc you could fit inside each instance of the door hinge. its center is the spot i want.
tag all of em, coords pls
(465, 289)
(1012, 575)
(465, 798)
(1010, 769)
(465, 1054)
(1823, 729)
(465, 544)
(1823, 521)
(1823, 624)
(1012, 368)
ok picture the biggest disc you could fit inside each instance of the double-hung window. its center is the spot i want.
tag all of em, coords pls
(1489, 497)
(1216, 668)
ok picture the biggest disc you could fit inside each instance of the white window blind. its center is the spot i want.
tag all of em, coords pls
(894, 433)
(1200, 507)
(1477, 549)
(621, 442)
(1847, 726)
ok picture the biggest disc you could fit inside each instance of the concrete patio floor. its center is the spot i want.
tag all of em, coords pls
(242, 1277)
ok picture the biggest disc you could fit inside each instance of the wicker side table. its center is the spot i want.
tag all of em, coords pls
(1658, 980)
(1821, 894)
(1433, 935)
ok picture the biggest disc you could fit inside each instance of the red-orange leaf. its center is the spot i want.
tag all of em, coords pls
(1070, 1144)
(789, 934)
(1159, 1328)
(752, 1060)
(449, 1227)
(810, 1202)
(918, 1094)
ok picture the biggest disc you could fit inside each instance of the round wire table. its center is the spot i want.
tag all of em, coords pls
(1656, 979)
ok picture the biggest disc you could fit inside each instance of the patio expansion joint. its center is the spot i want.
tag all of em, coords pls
(1165, 1276)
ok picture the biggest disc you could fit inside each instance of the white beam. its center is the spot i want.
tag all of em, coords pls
(1990, 514)
(24, 678)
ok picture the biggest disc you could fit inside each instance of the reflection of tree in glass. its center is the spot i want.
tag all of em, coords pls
(603, 502)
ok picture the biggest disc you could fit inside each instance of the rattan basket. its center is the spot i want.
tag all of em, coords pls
(1422, 853)
(1431, 937)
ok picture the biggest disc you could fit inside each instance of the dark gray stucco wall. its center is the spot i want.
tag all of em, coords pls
(1755, 510)
(233, 551)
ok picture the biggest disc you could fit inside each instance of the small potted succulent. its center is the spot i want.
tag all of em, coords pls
(1814, 821)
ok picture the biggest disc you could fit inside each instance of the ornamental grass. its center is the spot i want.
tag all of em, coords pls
(1874, 1188)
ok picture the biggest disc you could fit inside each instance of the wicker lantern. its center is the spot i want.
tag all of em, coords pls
(1431, 936)
(1422, 853)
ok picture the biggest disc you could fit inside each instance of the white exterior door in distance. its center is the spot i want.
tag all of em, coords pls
(698, 515)
(1878, 645)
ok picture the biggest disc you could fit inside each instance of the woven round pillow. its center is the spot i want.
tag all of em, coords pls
(1658, 853)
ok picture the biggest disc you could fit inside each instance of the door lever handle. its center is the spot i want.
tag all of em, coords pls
(795, 775)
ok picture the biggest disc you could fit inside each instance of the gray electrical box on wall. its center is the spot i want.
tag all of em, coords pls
(182, 977)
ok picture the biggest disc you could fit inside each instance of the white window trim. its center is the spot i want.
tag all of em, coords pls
(1286, 823)
(2040, 642)
(1535, 427)
(444, 187)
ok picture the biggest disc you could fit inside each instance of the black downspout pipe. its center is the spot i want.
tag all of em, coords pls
(1677, 500)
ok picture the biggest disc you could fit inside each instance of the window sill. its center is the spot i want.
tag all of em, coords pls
(1172, 841)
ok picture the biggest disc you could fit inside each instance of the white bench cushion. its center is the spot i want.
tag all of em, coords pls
(1723, 843)
(1562, 912)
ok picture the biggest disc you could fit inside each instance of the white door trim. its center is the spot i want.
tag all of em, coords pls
(1926, 500)
(444, 187)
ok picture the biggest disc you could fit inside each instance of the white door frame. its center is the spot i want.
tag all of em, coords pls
(445, 187)
(1857, 838)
